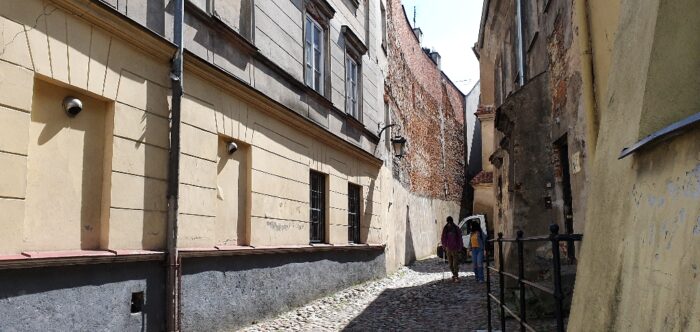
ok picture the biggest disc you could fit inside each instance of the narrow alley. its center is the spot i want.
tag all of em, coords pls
(417, 297)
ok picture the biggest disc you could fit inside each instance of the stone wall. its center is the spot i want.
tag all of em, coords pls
(551, 49)
(83, 298)
(226, 293)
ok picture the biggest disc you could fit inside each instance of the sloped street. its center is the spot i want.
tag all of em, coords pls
(418, 297)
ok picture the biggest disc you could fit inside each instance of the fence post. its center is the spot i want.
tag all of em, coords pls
(501, 281)
(488, 289)
(521, 277)
(556, 265)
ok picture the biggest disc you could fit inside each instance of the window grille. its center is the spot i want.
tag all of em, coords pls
(318, 207)
(354, 213)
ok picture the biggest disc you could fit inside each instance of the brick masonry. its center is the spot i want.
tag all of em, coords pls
(429, 109)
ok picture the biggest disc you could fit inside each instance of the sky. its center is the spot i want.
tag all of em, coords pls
(451, 27)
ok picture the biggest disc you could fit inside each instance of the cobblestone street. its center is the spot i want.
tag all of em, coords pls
(418, 297)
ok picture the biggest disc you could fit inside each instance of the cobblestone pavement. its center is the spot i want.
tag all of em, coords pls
(419, 297)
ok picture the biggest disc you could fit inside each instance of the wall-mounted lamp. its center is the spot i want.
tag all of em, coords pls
(399, 143)
(72, 106)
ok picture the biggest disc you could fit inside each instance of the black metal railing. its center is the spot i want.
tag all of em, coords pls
(555, 238)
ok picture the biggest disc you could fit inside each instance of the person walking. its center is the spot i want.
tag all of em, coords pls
(453, 244)
(477, 244)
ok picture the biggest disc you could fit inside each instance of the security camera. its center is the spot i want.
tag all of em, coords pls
(231, 147)
(72, 106)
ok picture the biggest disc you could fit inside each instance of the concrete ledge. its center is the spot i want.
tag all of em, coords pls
(33, 259)
(253, 250)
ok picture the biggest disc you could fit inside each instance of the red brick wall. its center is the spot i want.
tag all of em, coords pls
(430, 112)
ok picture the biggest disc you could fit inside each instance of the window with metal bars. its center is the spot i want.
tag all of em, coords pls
(354, 213)
(318, 207)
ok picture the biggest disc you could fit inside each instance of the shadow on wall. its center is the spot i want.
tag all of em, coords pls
(153, 236)
(369, 210)
(155, 16)
(54, 171)
(409, 249)
(226, 293)
(87, 297)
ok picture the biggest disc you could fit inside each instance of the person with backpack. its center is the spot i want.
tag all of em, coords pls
(477, 245)
(452, 242)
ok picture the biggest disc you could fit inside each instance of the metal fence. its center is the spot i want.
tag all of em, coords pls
(555, 238)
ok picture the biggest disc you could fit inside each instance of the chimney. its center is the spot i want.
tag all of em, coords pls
(419, 34)
(435, 56)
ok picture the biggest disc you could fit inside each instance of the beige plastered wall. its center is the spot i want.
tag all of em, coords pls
(96, 181)
(415, 224)
(280, 158)
(46, 57)
(640, 255)
(127, 95)
(484, 201)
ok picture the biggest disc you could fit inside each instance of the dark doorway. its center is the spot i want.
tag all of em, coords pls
(562, 147)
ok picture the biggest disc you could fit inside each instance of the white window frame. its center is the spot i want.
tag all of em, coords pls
(384, 27)
(314, 73)
(352, 74)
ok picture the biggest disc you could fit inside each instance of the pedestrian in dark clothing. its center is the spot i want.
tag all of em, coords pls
(452, 243)
(477, 245)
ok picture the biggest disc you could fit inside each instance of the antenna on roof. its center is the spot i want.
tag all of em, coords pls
(414, 17)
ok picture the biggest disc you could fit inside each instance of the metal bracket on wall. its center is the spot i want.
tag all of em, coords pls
(669, 131)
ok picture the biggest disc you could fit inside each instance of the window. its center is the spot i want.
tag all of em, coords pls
(354, 213)
(354, 50)
(204, 5)
(383, 26)
(318, 207)
(351, 88)
(314, 52)
(465, 228)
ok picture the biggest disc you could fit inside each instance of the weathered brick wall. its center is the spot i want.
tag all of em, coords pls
(430, 112)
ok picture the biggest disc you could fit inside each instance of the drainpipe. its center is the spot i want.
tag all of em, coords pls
(173, 265)
(520, 19)
(589, 102)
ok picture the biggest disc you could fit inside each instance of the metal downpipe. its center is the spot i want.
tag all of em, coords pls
(589, 102)
(173, 260)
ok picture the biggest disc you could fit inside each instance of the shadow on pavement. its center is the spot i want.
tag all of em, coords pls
(437, 265)
(436, 306)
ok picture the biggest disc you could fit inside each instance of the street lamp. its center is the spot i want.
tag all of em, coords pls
(399, 143)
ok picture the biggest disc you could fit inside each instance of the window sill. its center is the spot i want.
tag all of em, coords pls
(287, 249)
(216, 23)
(353, 121)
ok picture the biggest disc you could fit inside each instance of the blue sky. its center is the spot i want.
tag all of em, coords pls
(451, 27)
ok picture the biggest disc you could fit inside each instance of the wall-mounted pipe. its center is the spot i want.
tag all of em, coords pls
(589, 102)
(173, 264)
(522, 57)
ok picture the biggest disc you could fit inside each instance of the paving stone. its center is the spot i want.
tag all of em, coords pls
(418, 297)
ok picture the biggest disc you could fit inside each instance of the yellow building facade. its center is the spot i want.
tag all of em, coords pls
(638, 267)
(82, 192)
(113, 156)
